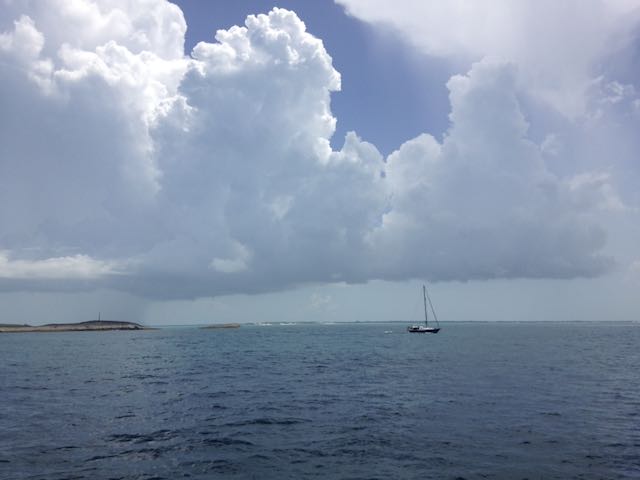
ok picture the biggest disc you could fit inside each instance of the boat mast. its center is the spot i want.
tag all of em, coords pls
(424, 295)
(432, 310)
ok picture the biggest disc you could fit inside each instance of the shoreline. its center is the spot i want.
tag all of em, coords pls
(90, 326)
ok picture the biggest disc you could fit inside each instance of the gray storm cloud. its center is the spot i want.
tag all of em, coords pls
(127, 165)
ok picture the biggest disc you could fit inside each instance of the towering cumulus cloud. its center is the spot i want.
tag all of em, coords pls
(126, 164)
(482, 203)
(555, 45)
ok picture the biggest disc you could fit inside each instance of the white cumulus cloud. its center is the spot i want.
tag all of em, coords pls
(213, 173)
(57, 268)
(558, 46)
(483, 204)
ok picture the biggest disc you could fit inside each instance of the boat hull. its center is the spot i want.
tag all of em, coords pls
(418, 329)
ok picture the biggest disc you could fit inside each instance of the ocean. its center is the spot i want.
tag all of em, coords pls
(340, 401)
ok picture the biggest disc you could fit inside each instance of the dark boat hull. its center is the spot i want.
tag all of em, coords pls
(423, 330)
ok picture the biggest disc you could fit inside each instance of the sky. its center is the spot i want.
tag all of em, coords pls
(251, 161)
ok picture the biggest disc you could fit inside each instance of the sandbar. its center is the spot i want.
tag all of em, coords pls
(221, 325)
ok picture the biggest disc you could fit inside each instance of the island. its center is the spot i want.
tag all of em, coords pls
(90, 326)
(221, 325)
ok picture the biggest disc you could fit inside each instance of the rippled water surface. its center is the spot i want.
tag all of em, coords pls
(478, 400)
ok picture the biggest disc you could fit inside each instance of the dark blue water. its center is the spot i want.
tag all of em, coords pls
(506, 401)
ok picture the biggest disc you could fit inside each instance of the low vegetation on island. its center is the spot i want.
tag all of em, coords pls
(221, 325)
(92, 325)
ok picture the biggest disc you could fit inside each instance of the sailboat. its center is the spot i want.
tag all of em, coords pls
(426, 328)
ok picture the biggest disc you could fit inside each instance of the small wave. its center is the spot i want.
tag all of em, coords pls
(313, 452)
(265, 421)
(215, 394)
(139, 376)
(157, 436)
(151, 477)
(66, 447)
(259, 456)
(226, 441)
(217, 466)
(100, 457)
(149, 453)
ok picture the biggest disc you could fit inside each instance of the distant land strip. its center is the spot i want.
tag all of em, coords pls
(92, 325)
(221, 325)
